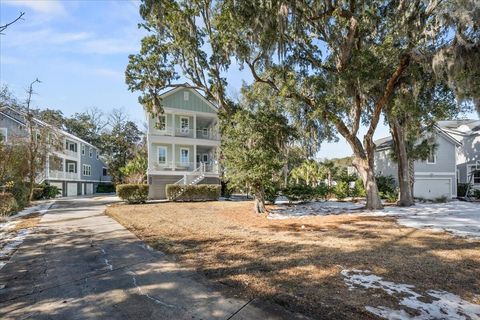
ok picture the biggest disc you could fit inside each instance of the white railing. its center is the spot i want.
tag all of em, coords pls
(69, 153)
(193, 177)
(184, 166)
(205, 133)
(56, 174)
(208, 133)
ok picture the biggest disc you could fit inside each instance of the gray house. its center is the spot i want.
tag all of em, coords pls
(75, 167)
(434, 178)
(467, 132)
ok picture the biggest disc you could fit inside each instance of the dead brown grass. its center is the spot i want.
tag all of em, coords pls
(28, 222)
(297, 262)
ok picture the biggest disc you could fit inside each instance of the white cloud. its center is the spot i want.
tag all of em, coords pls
(110, 46)
(53, 7)
(45, 36)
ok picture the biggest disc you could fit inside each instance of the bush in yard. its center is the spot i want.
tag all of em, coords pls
(386, 186)
(133, 193)
(322, 191)
(37, 193)
(462, 189)
(341, 190)
(21, 193)
(105, 188)
(198, 192)
(299, 193)
(8, 204)
(358, 189)
(271, 193)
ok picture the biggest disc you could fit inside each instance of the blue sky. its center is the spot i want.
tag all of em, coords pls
(79, 50)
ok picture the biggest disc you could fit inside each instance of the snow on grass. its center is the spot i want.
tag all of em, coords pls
(459, 217)
(443, 305)
(285, 211)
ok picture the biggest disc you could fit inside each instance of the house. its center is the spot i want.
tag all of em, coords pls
(183, 142)
(467, 132)
(73, 165)
(434, 178)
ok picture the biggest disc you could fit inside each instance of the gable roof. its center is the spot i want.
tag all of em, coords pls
(461, 127)
(387, 142)
(191, 89)
(41, 123)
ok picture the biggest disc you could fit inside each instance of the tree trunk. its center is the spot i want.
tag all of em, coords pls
(400, 146)
(411, 173)
(369, 183)
(260, 200)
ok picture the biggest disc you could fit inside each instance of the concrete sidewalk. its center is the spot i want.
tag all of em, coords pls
(81, 264)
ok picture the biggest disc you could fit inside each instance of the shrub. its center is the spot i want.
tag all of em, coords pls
(358, 189)
(462, 189)
(105, 188)
(199, 192)
(37, 193)
(271, 193)
(45, 191)
(322, 191)
(133, 193)
(390, 196)
(476, 193)
(20, 192)
(8, 204)
(341, 190)
(226, 191)
(386, 187)
(299, 192)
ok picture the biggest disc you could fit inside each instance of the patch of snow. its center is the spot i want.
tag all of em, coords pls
(41, 208)
(458, 217)
(317, 208)
(444, 305)
(11, 244)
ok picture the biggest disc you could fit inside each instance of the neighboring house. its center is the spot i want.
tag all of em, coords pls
(183, 142)
(468, 155)
(435, 177)
(75, 166)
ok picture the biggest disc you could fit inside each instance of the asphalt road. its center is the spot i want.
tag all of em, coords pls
(81, 264)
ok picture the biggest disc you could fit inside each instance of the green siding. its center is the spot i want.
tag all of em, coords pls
(154, 153)
(194, 102)
(177, 152)
(153, 121)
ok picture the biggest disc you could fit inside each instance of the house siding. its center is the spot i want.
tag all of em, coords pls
(194, 103)
(97, 165)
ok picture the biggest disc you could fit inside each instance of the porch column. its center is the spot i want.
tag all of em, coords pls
(173, 125)
(47, 167)
(194, 125)
(173, 156)
(194, 157)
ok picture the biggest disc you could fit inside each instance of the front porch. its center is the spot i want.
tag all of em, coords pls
(180, 159)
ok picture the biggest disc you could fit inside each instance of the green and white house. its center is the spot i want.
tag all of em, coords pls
(183, 142)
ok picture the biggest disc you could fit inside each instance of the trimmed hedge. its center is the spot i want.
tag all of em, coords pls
(8, 204)
(105, 188)
(199, 192)
(133, 193)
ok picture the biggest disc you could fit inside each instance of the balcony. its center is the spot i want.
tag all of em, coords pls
(206, 133)
(184, 166)
(56, 174)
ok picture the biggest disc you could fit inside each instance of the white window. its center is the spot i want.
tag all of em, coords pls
(432, 157)
(3, 134)
(162, 155)
(162, 123)
(184, 124)
(184, 158)
(186, 95)
(71, 167)
(90, 152)
(87, 170)
(83, 149)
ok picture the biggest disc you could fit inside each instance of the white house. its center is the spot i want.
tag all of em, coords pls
(183, 142)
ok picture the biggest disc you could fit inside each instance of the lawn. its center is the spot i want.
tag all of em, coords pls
(298, 263)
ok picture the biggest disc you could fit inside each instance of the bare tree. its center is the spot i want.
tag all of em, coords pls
(5, 26)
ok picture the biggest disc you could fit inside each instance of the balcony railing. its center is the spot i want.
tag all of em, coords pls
(183, 166)
(206, 133)
(70, 153)
(56, 174)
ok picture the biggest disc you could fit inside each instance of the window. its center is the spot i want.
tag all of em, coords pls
(205, 132)
(87, 170)
(3, 134)
(162, 155)
(432, 157)
(70, 167)
(184, 159)
(90, 152)
(205, 157)
(161, 124)
(184, 124)
(83, 149)
(97, 156)
(104, 172)
(475, 170)
(186, 95)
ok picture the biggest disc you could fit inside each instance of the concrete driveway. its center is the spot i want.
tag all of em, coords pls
(81, 264)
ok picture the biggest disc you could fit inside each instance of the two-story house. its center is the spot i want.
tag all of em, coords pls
(73, 165)
(467, 132)
(183, 142)
(435, 177)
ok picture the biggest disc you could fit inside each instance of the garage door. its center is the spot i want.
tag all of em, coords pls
(72, 189)
(59, 185)
(88, 188)
(432, 188)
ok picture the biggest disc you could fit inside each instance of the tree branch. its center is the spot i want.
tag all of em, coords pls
(5, 26)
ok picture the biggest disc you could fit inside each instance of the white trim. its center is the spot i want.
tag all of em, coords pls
(186, 95)
(90, 152)
(434, 158)
(182, 129)
(85, 166)
(158, 155)
(68, 167)
(164, 116)
(434, 173)
(82, 149)
(188, 156)
(4, 134)
(189, 112)
(469, 171)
